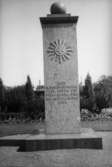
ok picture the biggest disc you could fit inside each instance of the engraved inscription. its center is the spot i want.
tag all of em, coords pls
(61, 93)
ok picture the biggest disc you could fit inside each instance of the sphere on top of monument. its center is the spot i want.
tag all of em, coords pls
(58, 8)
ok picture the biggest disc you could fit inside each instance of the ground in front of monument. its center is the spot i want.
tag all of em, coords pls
(10, 157)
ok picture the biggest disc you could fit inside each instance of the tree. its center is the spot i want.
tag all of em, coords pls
(39, 93)
(30, 96)
(88, 97)
(2, 95)
(16, 99)
(82, 101)
(103, 92)
(29, 89)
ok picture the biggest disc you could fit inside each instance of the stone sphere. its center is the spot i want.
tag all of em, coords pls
(57, 8)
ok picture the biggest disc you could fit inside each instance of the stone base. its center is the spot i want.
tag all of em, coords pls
(54, 144)
(86, 140)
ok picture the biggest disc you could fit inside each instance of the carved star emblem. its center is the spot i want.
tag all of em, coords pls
(58, 51)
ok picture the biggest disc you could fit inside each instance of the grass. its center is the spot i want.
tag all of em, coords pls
(36, 126)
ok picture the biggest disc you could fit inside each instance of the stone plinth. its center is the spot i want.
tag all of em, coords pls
(61, 74)
(87, 139)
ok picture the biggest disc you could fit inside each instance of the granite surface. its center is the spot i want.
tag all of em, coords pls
(61, 78)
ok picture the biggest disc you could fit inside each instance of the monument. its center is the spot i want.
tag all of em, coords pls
(60, 72)
(62, 114)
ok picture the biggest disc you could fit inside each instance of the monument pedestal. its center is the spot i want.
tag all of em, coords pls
(62, 111)
(85, 140)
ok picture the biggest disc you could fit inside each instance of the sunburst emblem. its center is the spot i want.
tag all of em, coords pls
(58, 51)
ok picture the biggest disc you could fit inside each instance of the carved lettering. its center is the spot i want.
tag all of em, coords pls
(61, 93)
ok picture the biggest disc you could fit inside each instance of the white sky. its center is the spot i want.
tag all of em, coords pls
(21, 45)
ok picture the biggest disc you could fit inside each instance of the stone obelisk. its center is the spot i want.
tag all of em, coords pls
(62, 117)
(60, 71)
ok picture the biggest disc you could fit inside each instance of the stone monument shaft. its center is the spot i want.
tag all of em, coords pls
(61, 88)
(61, 73)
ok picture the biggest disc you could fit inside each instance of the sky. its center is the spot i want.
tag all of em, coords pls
(21, 43)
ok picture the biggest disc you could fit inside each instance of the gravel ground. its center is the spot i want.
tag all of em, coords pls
(9, 157)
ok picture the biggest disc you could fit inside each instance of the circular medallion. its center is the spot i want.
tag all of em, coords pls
(58, 51)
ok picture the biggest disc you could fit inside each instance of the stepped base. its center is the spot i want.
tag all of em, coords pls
(85, 140)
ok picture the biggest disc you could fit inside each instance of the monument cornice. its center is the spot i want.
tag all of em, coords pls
(58, 19)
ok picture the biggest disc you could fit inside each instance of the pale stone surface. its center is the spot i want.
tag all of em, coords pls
(9, 157)
(85, 133)
(61, 78)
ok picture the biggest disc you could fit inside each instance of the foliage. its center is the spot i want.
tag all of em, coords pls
(25, 100)
(2, 95)
(96, 96)
(103, 116)
(21, 99)
(87, 97)
(29, 89)
(30, 98)
(16, 99)
(103, 92)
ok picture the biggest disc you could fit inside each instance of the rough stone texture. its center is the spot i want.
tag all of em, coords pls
(61, 78)
(9, 157)
(87, 139)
